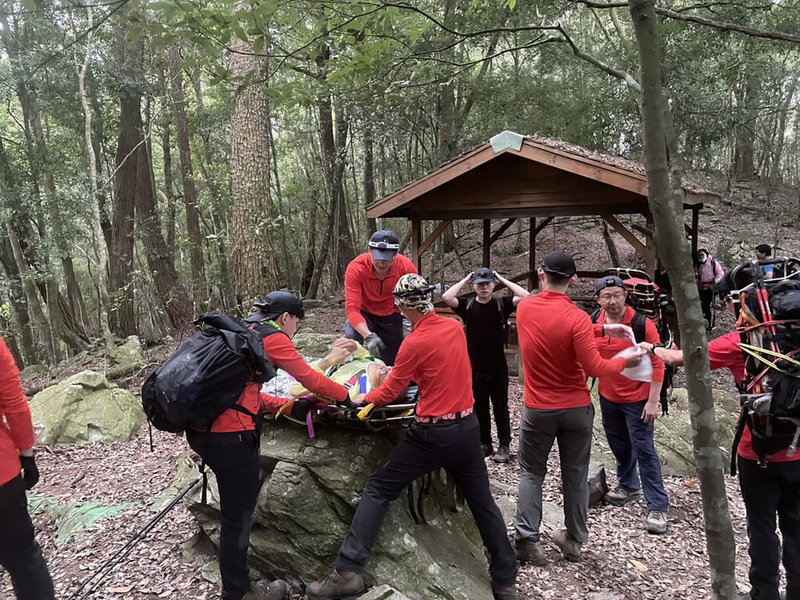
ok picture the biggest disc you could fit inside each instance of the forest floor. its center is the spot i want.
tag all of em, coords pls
(620, 561)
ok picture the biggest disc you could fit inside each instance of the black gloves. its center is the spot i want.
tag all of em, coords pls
(30, 474)
(374, 345)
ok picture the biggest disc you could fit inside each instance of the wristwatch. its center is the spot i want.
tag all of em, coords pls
(654, 346)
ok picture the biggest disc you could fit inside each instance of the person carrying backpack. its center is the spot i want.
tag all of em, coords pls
(20, 554)
(770, 485)
(629, 409)
(230, 447)
(709, 273)
(486, 321)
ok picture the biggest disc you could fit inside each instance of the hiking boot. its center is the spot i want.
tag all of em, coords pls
(530, 551)
(656, 522)
(502, 455)
(621, 496)
(273, 590)
(507, 591)
(487, 450)
(570, 547)
(343, 585)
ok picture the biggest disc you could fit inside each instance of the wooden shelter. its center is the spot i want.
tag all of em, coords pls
(513, 176)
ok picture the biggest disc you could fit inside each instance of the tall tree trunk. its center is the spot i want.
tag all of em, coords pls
(744, 152)
(287, 265)
(254, 265)
(777, 149)
(16, 296)
(369, 175)
(189, 190)
(173, 296)
(220, 226)
(98, 238)
(666, 205)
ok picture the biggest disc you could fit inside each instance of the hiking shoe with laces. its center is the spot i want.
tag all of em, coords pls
(504, 591)
(656, 522)
(269, 590)
(341, 585)
(570, 547)
(621, 496)
(487, 450)
(530, 551)
(502, 455)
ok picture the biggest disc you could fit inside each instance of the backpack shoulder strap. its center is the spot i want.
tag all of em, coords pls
(639, 326)
(595, 315)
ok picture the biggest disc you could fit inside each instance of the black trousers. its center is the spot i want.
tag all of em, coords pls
(234, 459)
(490, 389)
(455, 446)
(20, 554)
(389, 329)
(706, 300)
(770, 492)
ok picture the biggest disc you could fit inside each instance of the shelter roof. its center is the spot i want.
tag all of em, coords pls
(522, 176)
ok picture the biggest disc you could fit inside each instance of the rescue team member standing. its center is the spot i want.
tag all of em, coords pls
(556, 340)
(485, 318)
(629, 409)
(230, 448)
(368, 284)
(444, 434)
(20, 554)
(770, 491)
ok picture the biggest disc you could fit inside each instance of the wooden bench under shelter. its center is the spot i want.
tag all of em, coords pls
(514, 177)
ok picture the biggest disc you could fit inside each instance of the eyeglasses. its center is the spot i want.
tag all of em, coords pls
(608, 297)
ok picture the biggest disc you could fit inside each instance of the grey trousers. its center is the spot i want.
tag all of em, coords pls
(572, 427)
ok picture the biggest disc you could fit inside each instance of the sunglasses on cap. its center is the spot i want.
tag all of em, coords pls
(384, 246)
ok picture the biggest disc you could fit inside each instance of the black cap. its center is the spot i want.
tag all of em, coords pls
(275, 304)
(764, 249)
(483, 275)
(607, 282)
(559, 262)
(384, 245)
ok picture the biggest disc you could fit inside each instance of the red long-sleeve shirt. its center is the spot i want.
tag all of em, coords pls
(283, 355)
(434, 355)
(556, 339)
(364, 291)
(16, 429)
(618, 388)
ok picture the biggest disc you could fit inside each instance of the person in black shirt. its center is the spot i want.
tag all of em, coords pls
(486, 317)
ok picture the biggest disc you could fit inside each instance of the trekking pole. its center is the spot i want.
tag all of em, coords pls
(100, 574)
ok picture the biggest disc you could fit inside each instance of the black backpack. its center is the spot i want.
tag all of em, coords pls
(637, 324)
(207, 374)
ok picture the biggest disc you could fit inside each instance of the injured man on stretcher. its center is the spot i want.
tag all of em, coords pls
(351, 365)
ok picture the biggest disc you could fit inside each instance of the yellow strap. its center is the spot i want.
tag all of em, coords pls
(362, 414)
(756, 352)
(281, 409)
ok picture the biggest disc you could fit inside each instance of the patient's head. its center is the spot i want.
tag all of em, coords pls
(377, 374)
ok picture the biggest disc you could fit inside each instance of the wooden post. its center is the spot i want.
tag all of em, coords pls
(695, 223)
(487, 242)
(533, 280)
(416, 239)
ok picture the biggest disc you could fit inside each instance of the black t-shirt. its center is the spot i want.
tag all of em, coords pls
(485, 335)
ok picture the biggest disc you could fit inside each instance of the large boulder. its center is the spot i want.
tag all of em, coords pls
(316, 345)
(673, 434)
(129, 354)
(85, 408)
(309, 496)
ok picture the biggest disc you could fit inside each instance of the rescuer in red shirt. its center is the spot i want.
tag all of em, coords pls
(230, 448)
(771, 492)
(20, 554)
(445, 434)
(556, 341)
(368, 283)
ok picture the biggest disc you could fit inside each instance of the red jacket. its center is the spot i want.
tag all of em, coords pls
(16, 429)
(364, 291)
(283, 355)
(618, 388)
(434, 355)
(724, 352)
(556, 339)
